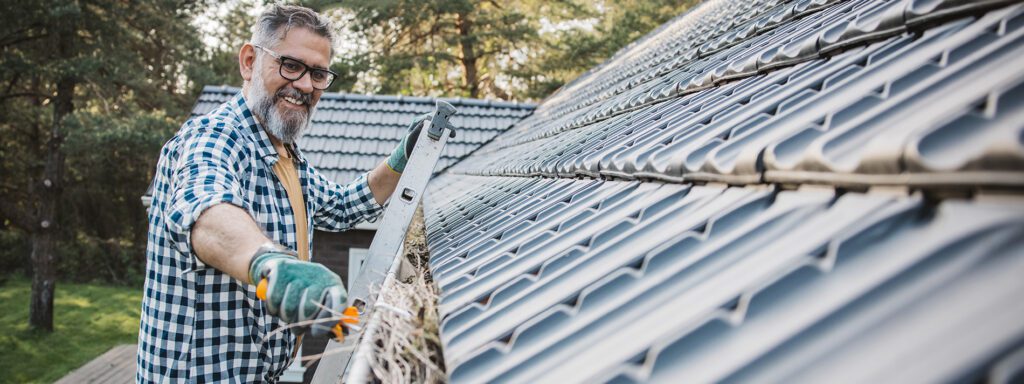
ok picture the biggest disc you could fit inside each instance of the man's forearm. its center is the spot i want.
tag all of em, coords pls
(383, 182)
(226, 237)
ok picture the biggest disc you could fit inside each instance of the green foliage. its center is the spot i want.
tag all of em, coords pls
(89, 320)
(522, 49)
(105, 219)
(349, 70)
(14, 252)
(434, 47)
(571, 52)
(217, 64)
(127, 65)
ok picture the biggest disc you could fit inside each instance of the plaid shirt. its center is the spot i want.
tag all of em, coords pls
(199, 324)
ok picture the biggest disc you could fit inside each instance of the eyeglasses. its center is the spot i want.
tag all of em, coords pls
(293, 70)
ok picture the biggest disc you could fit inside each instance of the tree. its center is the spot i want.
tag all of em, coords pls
(217, 63)
(449, 47)
(522, 49)
(571, 51)
(73, 69)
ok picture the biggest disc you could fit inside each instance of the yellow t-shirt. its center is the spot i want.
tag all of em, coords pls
(285, 170)
(289, 177)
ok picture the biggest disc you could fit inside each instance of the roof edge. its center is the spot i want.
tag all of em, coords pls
(397, 98)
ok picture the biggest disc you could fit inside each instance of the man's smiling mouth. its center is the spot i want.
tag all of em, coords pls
(293, 100)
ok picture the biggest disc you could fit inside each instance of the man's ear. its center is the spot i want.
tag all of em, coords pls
(246, 61)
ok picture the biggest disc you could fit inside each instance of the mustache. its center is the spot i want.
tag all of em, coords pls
(306, 98)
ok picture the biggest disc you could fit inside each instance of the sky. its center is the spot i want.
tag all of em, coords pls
(210, 25)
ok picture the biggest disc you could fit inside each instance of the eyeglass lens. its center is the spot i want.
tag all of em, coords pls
(293, 70)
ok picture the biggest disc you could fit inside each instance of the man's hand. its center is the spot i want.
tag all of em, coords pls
(400, 156)
(384, 178)
(296, 287)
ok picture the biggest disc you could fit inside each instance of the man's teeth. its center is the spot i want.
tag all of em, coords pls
(293, 100)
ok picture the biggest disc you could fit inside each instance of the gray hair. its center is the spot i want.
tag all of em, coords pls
(276, 21)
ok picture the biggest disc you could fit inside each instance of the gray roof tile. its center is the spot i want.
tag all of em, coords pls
(371, 125)
(642, 225)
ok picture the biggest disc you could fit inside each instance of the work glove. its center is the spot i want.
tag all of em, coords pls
(400, 156)
(296, 287)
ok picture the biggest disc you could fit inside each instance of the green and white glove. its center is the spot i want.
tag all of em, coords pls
(294, 288)
(400, 156)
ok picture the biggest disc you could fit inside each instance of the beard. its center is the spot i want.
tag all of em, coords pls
(288, 126)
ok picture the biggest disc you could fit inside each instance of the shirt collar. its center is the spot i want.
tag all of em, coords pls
(264, 147)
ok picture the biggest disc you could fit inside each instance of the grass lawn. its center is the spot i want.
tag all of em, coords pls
(88, 320)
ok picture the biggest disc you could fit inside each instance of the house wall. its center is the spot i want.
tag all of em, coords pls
(332, 249)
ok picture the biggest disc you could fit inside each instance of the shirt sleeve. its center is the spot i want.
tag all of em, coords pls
(203, 175)
(340, 207)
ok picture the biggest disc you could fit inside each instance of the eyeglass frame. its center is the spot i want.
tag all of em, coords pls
(305, 68)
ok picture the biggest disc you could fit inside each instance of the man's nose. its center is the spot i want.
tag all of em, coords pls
(304, 84)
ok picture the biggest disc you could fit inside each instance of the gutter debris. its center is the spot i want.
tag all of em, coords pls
(407, 346)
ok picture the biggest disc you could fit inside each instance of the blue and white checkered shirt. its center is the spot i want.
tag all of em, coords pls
(199, 324)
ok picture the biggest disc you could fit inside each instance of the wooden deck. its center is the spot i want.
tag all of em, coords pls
(115, 366)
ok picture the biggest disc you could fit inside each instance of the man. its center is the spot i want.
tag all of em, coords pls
(234, 201)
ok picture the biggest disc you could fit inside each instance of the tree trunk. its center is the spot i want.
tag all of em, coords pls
(468, 42)
(40, 314)
(43, 238)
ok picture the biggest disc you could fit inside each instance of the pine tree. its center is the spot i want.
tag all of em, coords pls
(73, 71)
